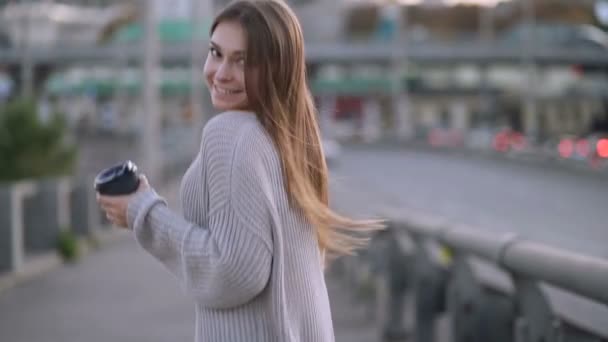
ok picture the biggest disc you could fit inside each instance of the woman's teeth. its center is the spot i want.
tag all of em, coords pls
(226, 91)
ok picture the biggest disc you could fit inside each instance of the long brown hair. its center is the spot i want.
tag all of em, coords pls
(277, 89)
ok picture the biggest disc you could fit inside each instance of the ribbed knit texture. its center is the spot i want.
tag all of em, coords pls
(250, 262)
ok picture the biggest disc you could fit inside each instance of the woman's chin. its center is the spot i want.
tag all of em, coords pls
(225, 106)
(222, 106)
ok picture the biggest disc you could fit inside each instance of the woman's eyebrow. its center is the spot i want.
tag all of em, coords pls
(218, 48)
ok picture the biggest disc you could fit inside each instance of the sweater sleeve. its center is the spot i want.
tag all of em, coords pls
(225, 264)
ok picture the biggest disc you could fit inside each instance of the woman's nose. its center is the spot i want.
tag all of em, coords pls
(224, 72)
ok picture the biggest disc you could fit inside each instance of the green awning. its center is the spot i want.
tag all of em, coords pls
(169, 31)
(172, 83)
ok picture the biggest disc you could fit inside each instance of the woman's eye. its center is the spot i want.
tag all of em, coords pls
(240, 61)
(213, 51)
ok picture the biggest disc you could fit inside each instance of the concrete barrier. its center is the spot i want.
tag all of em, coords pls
(32, 213)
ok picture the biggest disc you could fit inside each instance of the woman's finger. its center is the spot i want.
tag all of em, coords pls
(104, 201)
(114, 212)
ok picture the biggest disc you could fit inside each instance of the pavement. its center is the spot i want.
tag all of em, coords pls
(120, 293)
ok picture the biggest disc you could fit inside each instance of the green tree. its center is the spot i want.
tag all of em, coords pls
(30, 148)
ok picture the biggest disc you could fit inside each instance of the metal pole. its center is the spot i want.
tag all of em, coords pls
(150, 139)
(528, 64)
(486, 36)
(401, 100)
(486, 23)
(195, 60)
(201, 13)
(27, 72)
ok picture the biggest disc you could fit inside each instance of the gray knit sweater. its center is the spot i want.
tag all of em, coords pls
(250, 262)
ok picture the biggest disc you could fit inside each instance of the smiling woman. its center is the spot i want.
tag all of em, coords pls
(251, 243)
(225, 67)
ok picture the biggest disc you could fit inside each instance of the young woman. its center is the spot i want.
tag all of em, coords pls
(249, 246)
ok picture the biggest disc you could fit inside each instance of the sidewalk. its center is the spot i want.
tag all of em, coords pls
(119, 293)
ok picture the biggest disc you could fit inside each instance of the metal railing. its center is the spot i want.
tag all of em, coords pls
(34, 212)
(486, 286)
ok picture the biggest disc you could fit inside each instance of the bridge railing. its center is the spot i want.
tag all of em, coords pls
(483, 286)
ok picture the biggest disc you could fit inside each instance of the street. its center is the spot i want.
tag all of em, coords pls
(560, 207)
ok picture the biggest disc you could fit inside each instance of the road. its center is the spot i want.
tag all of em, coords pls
(564, 208)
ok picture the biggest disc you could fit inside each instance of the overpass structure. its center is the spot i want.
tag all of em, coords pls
(335, 52)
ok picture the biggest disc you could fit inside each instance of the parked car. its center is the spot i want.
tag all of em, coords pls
(592, 148)
(506, 140)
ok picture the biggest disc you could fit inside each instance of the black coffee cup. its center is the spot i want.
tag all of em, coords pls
(121, 179)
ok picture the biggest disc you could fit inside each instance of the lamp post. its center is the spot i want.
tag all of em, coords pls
(27, 67)
(529, 104)
(486, 37)
(150, 138)
(201, 12)
(400, 96)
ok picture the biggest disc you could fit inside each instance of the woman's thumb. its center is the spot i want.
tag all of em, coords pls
(144, 179)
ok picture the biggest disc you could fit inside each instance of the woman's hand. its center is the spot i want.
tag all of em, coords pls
(116, 206)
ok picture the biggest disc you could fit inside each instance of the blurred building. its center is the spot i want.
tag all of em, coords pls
(50, 23)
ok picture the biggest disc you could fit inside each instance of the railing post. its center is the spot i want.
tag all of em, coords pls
(64, 189)
(18, 192)
(396, 261)
(479, 301)
(44, 214)
(430, 287)
(551, 315)
(6, 245)
(85, 214)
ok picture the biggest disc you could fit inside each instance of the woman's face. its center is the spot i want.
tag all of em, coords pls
(225, 67)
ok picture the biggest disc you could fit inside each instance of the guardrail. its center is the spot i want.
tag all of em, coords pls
(483, 286)
(33, 213)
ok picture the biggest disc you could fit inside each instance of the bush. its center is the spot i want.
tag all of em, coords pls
(67, 246)
(31, 148)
